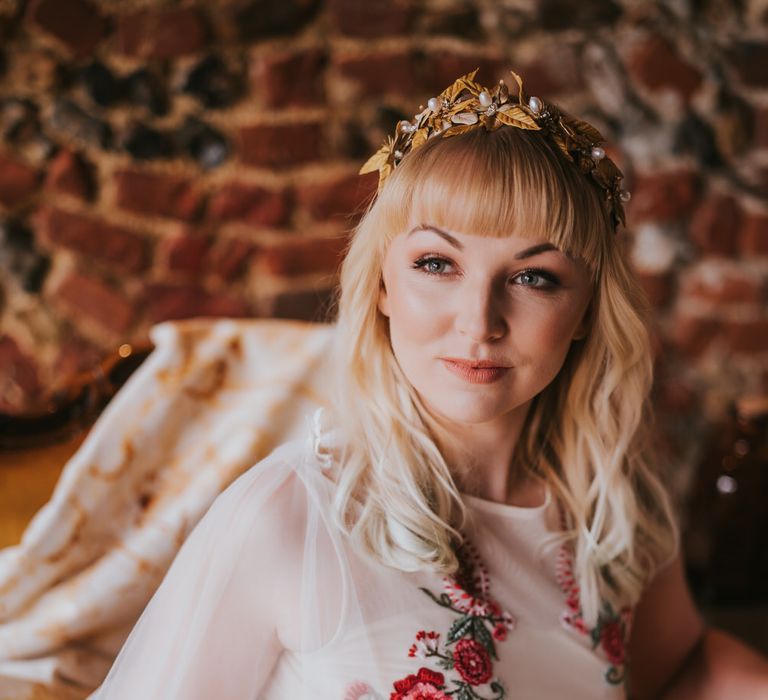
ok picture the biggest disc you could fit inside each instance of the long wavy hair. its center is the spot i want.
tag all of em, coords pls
(585, 434)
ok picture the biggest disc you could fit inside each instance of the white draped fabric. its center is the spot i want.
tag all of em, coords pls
(213, 398)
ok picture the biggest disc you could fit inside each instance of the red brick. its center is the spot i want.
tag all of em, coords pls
(747, 337)
(19, 379)
(236, 201)
(159, 194)
(373, 18)
(69, 173)
(74, 355)
(663, 196)
(304, 256)
(691, 335)
(289, 78)
(723, 283)
(77, 24)
(444, 67)
(759, 127)
(230, 257)
(97, 300)
(186, 253)
(115, 246)
(749, 59)
(554, 72)
(342, 197)
(168, 33)
(166, 302)
(17, 181)
(280, 145)
(307, 305)
(380, 73)
(714, 225)
(657, 287)
(753, 233)
(655, 64)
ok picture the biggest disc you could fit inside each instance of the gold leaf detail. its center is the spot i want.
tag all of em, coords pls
(518, 118)
(519, 82)
(458, 129)
(378, 160)
(419, 138)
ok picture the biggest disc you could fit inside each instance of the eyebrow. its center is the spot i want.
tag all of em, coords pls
(520, 255)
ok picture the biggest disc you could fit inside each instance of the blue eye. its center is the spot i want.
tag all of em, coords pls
(432, 265)
(536, 278)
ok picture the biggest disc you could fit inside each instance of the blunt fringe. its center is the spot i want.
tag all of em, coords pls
(586, 434)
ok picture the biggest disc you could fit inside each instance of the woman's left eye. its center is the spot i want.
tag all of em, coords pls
(536, 278)
(433, 265)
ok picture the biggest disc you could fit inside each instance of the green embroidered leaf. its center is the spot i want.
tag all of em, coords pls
(460, 628)
(497, 687)
(465, 693)
(481, 634)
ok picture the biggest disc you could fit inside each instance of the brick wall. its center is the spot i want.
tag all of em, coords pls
(164, 159)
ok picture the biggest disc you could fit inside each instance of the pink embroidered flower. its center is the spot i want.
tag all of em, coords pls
(357, 690)
(426, 644)
(423, 685)
(612, 641)
(500, 632)
(471, 660)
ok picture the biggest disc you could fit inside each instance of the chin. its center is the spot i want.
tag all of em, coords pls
(467, 412)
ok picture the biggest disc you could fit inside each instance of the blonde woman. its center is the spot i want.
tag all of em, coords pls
(478, 517)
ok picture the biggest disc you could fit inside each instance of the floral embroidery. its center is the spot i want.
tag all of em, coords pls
(469, 647)
(610, 633)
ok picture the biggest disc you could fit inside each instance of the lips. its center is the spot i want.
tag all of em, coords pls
(475, 371)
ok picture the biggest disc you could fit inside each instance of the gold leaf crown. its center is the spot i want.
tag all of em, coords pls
(467, 105)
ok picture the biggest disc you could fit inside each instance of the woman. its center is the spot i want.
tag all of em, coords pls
(476, 517)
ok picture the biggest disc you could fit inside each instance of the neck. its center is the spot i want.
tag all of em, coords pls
(480, 458)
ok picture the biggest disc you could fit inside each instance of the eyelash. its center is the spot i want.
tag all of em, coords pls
(552, 280)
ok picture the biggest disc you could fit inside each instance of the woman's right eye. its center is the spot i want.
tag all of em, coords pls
(432, 265)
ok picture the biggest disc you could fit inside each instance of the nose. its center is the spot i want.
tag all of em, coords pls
(480, 316)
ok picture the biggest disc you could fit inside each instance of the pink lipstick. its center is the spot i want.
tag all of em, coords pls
(475, 371)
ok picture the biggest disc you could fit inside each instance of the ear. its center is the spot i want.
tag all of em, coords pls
(383, 302)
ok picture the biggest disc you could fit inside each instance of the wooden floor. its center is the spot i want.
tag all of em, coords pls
(27, 478)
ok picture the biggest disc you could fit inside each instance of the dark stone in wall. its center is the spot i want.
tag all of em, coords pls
(73, 120)
(145, 89)
(263, 18)
(696, 137)
(19, 256)
(145, 143)
(213, 83)
(202, 142)
(566, 14)
(102, 86)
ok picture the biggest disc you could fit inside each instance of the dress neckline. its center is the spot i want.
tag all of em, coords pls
(505, 509)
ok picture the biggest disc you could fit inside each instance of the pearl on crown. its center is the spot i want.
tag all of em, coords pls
(535, 104)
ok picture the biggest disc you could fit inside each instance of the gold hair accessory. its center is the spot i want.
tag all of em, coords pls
(466, 105)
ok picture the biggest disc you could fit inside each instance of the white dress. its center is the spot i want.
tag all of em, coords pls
(266, 599)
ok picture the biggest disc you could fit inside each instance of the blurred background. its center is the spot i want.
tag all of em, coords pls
(165, 159)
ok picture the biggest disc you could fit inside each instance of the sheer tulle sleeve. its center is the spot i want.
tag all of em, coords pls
(242, 590)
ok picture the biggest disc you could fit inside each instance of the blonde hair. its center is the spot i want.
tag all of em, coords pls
(584, 434)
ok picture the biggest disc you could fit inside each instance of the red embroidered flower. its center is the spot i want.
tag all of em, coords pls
(471, 660)
(424, 685)
(500, 632)
(612, 641)
(426, 644)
